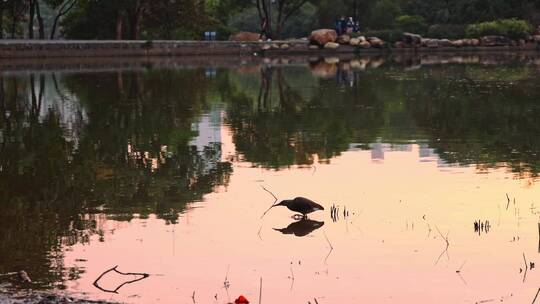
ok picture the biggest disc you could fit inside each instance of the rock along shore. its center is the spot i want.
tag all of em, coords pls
(95, 48)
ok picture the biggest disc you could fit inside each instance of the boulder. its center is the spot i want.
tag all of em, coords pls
(313, 47)
(494, 41)
(275, 46)
(375, 42)
(344, 39)
(424, 41)
(266, 47)
(284, 46)
(470, 42)
(399, 44)
(362, 38)
(245, 36)
(432, 43)
(365, 45)
(445, 43)
(331, 45)
(323, 36)
(536, 38)
(412, 39)
(458, 43)
(354, 41)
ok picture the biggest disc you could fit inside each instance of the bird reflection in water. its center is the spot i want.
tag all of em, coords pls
(302, 227)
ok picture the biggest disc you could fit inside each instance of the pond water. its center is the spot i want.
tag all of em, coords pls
(427, 168)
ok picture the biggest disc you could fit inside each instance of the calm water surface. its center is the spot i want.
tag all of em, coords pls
(432, 163)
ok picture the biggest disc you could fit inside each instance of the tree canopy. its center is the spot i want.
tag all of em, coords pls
(189, 19)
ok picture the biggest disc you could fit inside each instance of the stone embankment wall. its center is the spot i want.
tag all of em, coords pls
(72, 49)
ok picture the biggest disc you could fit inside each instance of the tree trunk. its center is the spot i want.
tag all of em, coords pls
(2, 102)
(264, 12)
(119, 25)
(40, 21)
(55, 24)
(64, 9)
(2, 21)
(280, 19)
(136, 24)
(13, 19)
(31, 15)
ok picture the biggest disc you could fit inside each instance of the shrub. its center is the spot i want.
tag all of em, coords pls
(298, 25)
(390, 36)
(446, 31)
(511, 28)
(413, 24)
(384, 14)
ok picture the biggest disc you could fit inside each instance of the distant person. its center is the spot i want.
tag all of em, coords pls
(356, 28)
(264, 29)
(342, 25)
(337, 26)
(349, 25)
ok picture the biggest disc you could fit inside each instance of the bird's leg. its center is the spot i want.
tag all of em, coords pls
(298, 217)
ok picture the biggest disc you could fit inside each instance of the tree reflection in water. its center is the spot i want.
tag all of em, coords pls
(113, 143)
(78, 147)
(469, 110)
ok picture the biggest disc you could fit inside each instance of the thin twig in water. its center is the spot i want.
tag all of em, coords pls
(462, 279)
(259, 232)
(331, 248)
(459, 273)
(292, 279)
(315, 299)
(273, 203)
(536, 296)
(260, 291)
(270, 193)
(447, 245)
(526, 267)
(459, 270)
(508, 199)
(226, 283)
(193, 297)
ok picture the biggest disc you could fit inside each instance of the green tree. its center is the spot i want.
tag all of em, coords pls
(384, 14)
(62, 7)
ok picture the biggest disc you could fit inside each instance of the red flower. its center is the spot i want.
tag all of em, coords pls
(241, 300)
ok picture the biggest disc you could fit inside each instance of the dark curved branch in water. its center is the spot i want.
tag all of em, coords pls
(273, 203)
(143, 276)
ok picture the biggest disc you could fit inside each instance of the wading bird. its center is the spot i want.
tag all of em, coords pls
(301, 205)
(298, 204)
